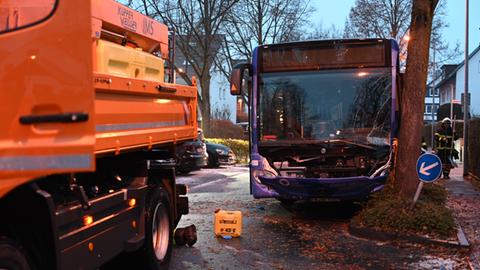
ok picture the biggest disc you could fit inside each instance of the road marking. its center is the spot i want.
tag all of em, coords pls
(193, 188)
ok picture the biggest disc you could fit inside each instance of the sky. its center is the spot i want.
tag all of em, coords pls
(334, 12)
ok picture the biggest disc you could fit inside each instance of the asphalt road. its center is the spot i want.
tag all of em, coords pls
(305, 236)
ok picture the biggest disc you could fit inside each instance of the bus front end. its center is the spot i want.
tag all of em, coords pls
(322, 118)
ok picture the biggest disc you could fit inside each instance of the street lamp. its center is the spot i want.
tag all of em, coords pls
(434, 82)
(465, 98)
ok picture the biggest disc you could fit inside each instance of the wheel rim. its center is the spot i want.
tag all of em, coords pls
(160, 232)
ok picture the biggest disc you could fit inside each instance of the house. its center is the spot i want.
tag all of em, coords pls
(222, 104)
(444, 83)
(431, 105)
(473, 82)
(452, 84)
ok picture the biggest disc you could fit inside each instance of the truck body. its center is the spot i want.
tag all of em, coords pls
(86, 114)
(322, 118)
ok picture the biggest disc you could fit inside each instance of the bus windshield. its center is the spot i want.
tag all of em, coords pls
(346, 104)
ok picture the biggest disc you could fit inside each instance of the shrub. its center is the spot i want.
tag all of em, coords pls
(225, 129)
(387, 211)
(239, 147)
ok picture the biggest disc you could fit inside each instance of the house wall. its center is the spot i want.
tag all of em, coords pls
(446, 90)
(222, 104)
(473, 83)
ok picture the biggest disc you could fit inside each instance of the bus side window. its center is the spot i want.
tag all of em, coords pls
(19, 14)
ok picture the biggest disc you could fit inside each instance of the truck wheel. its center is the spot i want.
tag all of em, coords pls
(159, 231)
(12, 256)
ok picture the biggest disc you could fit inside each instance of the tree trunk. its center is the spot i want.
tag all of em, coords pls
(205, 104)
(412, 98)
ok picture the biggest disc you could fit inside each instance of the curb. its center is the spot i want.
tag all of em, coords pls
(375, 234)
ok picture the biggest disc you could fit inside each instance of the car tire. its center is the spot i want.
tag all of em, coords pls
(12, 255)
(184, 171)
(213, 160)
(157, 250)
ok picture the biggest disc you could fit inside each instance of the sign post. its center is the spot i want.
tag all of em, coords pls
(429, 169)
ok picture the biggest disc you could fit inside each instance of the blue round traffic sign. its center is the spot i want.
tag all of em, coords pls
(429, 167)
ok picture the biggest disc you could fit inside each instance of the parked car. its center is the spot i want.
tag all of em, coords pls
(219, 154)
(192, 156)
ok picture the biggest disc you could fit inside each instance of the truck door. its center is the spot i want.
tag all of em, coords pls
(46, 88)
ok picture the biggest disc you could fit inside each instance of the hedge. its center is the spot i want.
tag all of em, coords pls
(239, 147)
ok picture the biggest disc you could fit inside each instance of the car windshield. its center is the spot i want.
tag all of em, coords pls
(352, 104)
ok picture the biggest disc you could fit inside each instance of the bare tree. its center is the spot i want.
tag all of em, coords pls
(222, 113)
(198, 27)
(379, 18)
(412, 98)
(320, 32)
(391, 19)
(256, 22)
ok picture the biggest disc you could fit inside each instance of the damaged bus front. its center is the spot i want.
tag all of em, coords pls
(322, 117)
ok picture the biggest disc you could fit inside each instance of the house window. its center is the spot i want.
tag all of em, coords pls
(430, 91)
(428, 109)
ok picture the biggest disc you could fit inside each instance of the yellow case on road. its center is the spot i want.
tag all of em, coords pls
(228, 223)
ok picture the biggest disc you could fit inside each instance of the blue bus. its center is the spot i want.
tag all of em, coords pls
(322, 117)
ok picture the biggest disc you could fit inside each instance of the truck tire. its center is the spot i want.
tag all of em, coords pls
(12, 255)
(158, 231)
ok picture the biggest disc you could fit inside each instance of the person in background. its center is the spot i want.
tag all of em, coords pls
(444, 138)
(424, 146)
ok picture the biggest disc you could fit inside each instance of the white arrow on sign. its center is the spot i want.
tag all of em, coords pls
(423, 169)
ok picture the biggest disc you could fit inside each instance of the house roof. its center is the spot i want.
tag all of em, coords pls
(459, 66)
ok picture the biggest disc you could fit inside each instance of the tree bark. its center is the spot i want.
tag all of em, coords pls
(205, 104)
(412, 97)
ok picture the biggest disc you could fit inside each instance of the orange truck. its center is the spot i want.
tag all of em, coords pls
(86, 117)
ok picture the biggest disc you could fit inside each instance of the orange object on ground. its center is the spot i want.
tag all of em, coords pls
(228, 223)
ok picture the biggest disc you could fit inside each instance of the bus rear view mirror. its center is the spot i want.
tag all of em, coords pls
(236, 78)
(236, 82)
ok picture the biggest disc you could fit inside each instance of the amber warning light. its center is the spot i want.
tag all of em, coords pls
(132, 202)
(87, 220)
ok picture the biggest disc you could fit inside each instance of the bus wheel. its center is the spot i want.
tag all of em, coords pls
(12, 255)
(159, 231)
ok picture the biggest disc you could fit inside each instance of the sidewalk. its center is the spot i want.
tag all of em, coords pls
(464, 200)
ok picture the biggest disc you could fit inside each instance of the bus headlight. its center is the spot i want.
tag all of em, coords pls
(257, 173)
(263, 170)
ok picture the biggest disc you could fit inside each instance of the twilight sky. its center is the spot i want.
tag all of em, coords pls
(334, 12)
